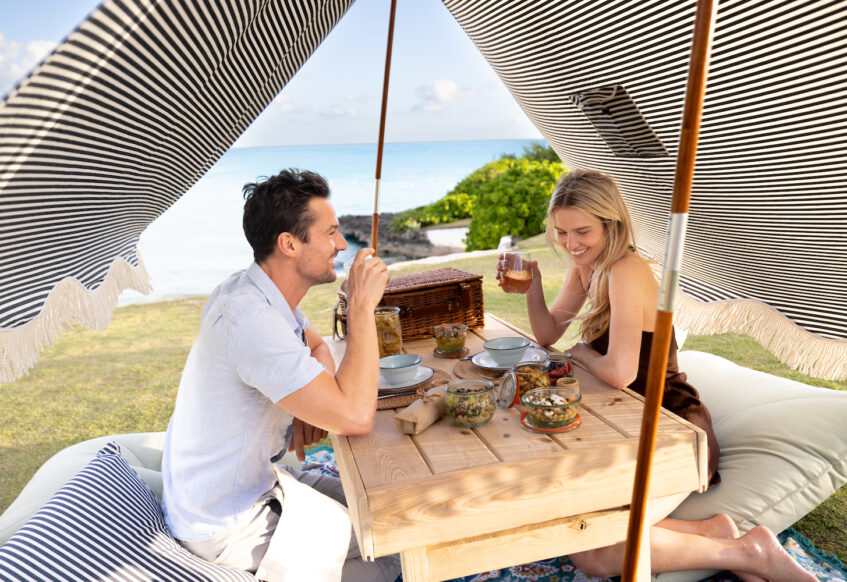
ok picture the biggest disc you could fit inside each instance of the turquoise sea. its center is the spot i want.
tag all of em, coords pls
(198, 242)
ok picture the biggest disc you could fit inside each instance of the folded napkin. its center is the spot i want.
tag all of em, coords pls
(422, 412)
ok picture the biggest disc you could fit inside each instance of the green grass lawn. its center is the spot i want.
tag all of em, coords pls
(124, 379)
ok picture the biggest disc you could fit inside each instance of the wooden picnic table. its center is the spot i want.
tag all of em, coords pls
(455, 501)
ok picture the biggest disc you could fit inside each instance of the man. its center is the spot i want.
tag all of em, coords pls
(259, 381)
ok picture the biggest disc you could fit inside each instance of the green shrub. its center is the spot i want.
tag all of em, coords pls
(457, 204)
(538, 153)
(512, 202)
(460, 202)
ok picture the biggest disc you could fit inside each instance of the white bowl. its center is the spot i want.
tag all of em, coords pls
(399, 368)
(506, 351)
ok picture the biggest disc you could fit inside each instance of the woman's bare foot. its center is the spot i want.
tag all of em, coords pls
(769, 559)
(721, 526)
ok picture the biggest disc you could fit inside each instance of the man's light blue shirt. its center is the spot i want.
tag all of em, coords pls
(226, 429)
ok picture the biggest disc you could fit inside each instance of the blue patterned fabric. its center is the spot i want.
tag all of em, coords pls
(322, 460)
(104, 524)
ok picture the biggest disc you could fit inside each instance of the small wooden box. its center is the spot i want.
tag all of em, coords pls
(426, 299)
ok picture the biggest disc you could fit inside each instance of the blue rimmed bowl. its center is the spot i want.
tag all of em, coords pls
(399, 368)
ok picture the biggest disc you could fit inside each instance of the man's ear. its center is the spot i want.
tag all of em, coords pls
(288, 244)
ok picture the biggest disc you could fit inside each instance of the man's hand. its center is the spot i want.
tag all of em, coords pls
(367, 280)
(304, 434)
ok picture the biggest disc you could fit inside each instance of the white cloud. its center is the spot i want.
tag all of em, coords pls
(16, 60)
(338, 111)
(38, 49)
(437, 95)
(283, 104)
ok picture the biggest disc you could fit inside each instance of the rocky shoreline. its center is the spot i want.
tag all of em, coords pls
(407, 245)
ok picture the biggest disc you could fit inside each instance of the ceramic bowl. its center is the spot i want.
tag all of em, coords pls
(506, 351)
(470, 403)
(551, 407)
(399, 368)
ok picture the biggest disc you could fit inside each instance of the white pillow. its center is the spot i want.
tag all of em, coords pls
(783, 447)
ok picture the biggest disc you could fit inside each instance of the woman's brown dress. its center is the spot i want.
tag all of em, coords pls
(680, 397)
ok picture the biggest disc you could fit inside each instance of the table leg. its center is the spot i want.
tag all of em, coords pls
(643, 572)
(415, 565)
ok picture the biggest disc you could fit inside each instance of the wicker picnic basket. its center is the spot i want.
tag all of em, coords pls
(426, 299)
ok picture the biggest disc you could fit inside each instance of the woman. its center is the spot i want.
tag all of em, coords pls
(588, 219)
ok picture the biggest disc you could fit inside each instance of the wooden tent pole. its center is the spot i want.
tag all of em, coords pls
(698, 68)
(381, 141)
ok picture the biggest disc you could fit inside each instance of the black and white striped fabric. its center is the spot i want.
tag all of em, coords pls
(768, 219)
(121, 120)
(147, 94)
(104, 524)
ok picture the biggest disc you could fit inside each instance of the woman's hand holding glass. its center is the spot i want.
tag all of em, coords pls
(516, 272)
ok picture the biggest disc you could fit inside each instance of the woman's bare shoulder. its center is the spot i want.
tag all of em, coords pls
(632, 267)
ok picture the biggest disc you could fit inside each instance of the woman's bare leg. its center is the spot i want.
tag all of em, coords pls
(719, 526)
(757, 555)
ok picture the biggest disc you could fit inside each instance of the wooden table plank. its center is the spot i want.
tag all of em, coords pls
(355, 494)
(591, 432)
(385, 455)
(488, 498)
(524, 544)
(447, 447)
(509, 441)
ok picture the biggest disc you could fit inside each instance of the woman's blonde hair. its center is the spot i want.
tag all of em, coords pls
(596, 194)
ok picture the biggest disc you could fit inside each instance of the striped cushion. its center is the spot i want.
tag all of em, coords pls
(104, 523)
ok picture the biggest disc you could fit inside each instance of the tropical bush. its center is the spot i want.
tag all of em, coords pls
(512, 202)
(538, 152)
(489, 190)
(454, 206)
(457, 204)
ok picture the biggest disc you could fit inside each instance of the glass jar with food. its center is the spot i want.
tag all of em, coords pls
(523, 377)
(470, 403)
(551, 408)
(450, 337)
(559, 365)
(388, 331)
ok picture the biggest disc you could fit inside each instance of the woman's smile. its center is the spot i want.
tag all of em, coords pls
(582, 235)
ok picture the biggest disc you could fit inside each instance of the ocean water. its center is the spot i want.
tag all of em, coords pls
(198, 242)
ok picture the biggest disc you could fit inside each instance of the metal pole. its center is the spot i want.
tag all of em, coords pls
(683, 179)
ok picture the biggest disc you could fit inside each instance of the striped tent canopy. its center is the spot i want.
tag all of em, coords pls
(146, 95)
(110, 130)
(766, 249)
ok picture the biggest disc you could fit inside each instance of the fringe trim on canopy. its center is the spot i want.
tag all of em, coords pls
(68, 303)
(802, 351)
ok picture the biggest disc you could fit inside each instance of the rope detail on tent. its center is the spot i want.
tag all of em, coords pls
(68, 303)
(802, 351)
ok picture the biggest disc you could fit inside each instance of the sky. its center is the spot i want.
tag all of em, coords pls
(441, 88)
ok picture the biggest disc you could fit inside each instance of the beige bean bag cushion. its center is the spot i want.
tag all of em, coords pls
(783, 447)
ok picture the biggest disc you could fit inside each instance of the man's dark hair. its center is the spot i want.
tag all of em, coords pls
(280, 204)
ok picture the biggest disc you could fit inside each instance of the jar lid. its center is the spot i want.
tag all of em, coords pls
(507, 392)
